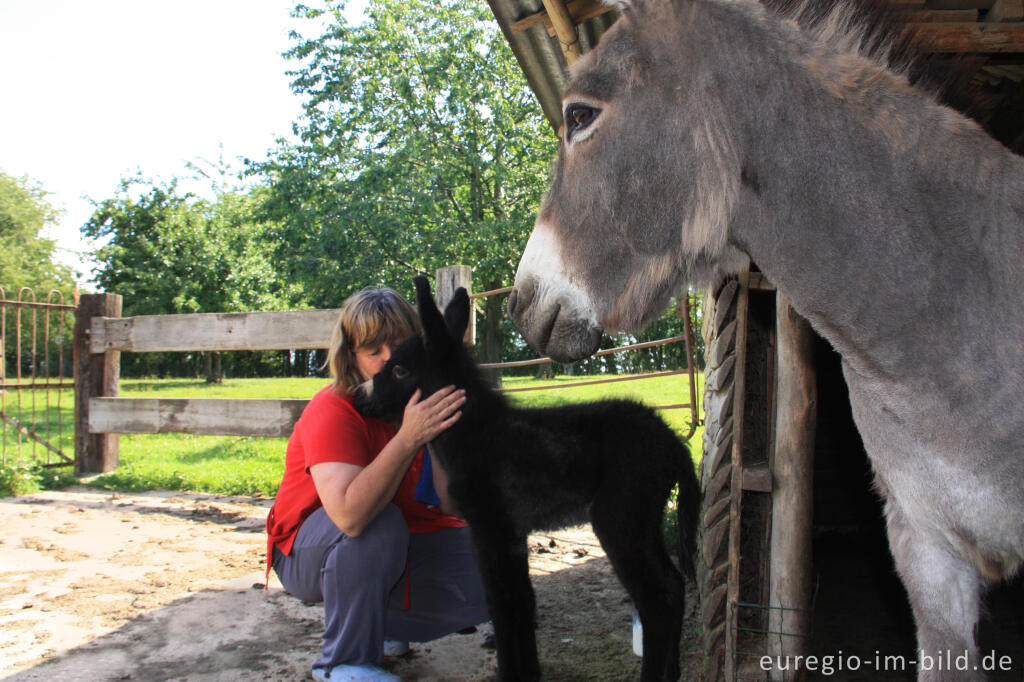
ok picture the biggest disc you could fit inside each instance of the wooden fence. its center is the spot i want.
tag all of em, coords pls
(102, 334)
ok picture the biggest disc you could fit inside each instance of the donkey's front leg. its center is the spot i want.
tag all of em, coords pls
(503, 561)
(945, 594)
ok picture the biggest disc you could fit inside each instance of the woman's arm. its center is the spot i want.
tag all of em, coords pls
(352, 495)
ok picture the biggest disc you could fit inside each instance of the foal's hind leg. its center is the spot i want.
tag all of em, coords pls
(631, 537)
(945, 595)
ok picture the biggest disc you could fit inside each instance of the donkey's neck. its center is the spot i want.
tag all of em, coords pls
(882, 215)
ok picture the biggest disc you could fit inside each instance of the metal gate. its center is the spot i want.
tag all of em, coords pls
(36, 380)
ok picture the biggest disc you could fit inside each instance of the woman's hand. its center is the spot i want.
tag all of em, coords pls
(425, 419)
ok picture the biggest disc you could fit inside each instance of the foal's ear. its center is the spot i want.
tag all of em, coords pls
(456, 314)
(435, 332)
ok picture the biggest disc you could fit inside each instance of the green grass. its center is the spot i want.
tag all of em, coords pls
(232, 465)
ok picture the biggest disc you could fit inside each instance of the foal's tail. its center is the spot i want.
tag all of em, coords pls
(687, 515)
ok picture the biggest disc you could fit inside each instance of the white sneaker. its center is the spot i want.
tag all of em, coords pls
(367, 672)
(395, 647)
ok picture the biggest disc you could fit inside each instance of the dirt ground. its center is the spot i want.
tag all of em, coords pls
(169, 586)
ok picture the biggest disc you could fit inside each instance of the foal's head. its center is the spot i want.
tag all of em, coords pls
(426, 362)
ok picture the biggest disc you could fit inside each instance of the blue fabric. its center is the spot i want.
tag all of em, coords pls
(425, 492)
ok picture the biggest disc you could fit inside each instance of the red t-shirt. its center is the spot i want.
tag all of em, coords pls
(330, 430)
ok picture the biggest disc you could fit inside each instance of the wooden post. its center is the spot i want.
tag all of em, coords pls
(446, 281)
(96, 375)
(793, 486)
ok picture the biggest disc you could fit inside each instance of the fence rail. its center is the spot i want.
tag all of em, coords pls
(280, 330)
(202, 416)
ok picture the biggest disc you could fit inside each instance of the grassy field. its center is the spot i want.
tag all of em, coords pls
(233, 465)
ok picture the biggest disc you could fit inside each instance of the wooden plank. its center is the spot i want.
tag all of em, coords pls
(932, 16)
(790, 571)
(283, 330)
(757, 479)
(201, 416)
(964, 37)
(958, 4)
(736, 485)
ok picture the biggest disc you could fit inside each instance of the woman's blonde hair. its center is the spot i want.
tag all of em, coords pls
(369, 318)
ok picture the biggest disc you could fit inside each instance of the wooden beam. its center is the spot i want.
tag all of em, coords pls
(791, 574)
(579, 10)
(958, 4)
(1006, 10)
(565, 30)
(969, 37)
(201, 416)
(935, 16)
(285, 330)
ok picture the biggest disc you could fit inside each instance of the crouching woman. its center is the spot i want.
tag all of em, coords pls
(361, 521)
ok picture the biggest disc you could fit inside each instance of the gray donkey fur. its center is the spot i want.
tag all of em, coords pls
(700, 133)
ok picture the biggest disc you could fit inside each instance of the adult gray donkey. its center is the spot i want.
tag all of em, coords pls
(703, 132)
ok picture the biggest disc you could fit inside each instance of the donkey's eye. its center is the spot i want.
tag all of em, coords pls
(399, 372)
(577, 117)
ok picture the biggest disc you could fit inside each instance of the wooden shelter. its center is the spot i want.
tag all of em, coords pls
(794, 557)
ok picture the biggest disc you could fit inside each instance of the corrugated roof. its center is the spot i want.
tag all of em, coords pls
(537, 49)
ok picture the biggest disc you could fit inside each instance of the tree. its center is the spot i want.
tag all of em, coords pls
(169, 252)
(26, 256)
(421, 146)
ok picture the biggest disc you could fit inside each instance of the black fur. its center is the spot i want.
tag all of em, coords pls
(512, 471)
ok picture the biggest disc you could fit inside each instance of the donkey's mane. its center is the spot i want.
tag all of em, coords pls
(868, 29)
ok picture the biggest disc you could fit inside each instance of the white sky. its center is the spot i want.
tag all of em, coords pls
(92, 91)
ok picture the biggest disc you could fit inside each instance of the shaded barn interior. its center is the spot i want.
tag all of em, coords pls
(859, 605)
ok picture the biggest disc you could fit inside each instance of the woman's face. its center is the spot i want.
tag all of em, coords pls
(371, 359)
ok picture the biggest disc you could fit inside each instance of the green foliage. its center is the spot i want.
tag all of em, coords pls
(168, 252)
(421, 146)
(26, 257)
(25, 480)
(18, 480)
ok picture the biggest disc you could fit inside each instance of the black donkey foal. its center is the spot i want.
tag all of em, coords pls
(512, 471)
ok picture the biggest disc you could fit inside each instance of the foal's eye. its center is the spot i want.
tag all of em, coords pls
(399, 372)
(577, 117)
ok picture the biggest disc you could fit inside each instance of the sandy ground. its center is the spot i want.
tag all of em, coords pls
(169, 586)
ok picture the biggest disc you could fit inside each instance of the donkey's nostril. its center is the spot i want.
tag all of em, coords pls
(521, 298)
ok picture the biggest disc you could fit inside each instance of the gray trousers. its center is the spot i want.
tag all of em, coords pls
(362, 583)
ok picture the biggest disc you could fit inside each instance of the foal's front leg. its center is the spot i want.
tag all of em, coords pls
(504, 566)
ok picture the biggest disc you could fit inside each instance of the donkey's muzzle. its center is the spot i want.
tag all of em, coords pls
(552, 326)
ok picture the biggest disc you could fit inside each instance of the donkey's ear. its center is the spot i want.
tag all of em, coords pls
(456, 314)
(435, 333)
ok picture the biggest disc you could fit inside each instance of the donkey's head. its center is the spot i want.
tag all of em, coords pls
(428, 361)
(645, 181)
